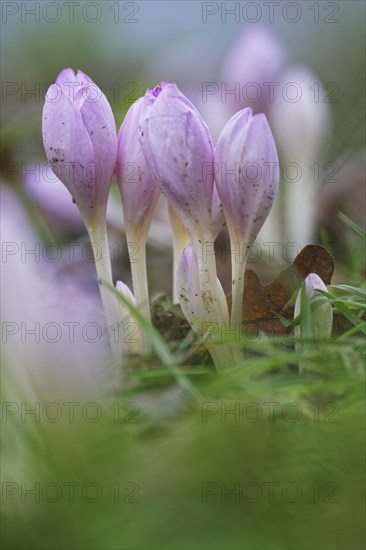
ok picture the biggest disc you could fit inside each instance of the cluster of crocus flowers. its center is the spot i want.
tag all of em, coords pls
(164, 146)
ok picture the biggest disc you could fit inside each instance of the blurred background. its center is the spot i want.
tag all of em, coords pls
(206, 48)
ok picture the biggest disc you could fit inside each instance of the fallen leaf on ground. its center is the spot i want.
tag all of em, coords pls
(261, 303)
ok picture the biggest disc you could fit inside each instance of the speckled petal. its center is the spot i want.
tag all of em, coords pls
(68, 146)
(99, 123)
(188, 288)
(178, 150)
(80, 140)
(248, 172)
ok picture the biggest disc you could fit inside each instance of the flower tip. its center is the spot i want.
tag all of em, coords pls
(125, 291)
(314, 282)
(247, 111)
(66, 75)
(155, 92)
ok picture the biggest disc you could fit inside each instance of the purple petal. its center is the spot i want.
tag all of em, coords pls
(137, 186)
(52, 197)
(80, 140)
(188, 287)
(68, 147)
(99, 123)
(68, 82)
(178, 150)
(248, 173)
(314, 282)
(82, 77)
(257, 57)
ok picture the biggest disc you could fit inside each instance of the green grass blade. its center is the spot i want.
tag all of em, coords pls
(352, 226)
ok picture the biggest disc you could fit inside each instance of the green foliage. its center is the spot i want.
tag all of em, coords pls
(353, 226)
(165, 465)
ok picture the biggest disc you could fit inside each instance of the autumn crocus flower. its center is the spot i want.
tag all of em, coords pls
(322, 314)
(251, 69)
(300, 119)
(178, 150)
(139, 197)
(202, 320)
(181, 237)
(247, 177)
(65, 345)
(79, 136)
(315, 310)
(177, 147)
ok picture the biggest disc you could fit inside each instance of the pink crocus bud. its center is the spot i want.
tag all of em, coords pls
(125, 291)
(138, 189)
(247, 178)
(181, 237)
(202, 319)
(250, 71)
(322, 314)
(139, 194)
(320, 319)
(79, 136)
(178, 149)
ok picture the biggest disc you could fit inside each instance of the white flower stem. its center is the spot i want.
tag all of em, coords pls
(137, 250)
(238, 265)
(214, 303)
(238, 270)
(180, 240)
(99, 240)
(219, 357)
(208, 278)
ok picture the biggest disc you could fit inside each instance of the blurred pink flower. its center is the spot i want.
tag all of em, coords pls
(55, 342)
(54, 200)
(257, 57)
(302, 130)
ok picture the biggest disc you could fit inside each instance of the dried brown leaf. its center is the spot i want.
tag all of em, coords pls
(261, 303)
